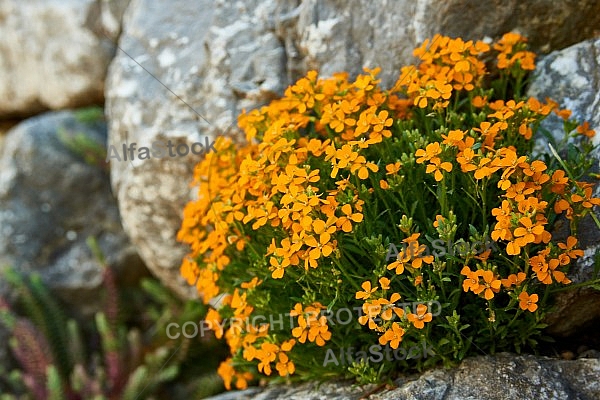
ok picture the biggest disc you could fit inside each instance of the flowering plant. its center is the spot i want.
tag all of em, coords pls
(340, 191)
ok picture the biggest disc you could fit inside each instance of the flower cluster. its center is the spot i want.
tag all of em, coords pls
(297, 220)
(311, 324)
(447, 65)
(512, 53)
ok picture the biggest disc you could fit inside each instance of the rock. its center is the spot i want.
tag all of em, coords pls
(51, 200)
(340, 35)
(500, 377)
(5, 126)
(572, 78)
(213, 59)
(54, 54)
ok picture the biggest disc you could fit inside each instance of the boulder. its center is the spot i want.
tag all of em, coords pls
(198, 66)
(54, 53)
(571, 77)
(346, 36)
(54, 194)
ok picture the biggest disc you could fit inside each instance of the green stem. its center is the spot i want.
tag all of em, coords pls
(484, 202)
(443, 200)
(345, 273)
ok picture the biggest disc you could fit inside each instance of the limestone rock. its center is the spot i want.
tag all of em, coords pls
(215, 60)
(53, 53)
(348, 35)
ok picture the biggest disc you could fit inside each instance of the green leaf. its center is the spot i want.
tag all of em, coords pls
(89, 115)
(54, 384)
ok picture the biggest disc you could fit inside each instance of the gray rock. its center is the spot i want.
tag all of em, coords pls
(51, 200)
(348, 35)
(221, 57)
(54, 54)
(500, 377)
(571, 77)
(215, 58)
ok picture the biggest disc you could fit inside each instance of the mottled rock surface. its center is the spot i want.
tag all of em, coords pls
(500, 377)
(54, 53)
(347, 35)
(571, 77)
(213, 59)
(168, 39)
(51, 200)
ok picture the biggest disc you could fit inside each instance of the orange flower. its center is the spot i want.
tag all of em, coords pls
(491, 284)
(585, 130)
(525, 131)
(345, 222)
(277, 268)
(266, 354)
(508, 40)
(213, 319)
(439, 219)
(518, 191)
(472, 280)
(586, 199)
(514, 280)
(388, 308)
(422, 316)
(535, 166)
(402, 260)
(310, 325)
(431, 150)
(380, 122)
(537, 107)
(284, 365)
(385, 283)
(559, 181)
(563, 205)
(324, 246)
(252, 284)
(528, 302)
(569, 248)
(371, 310)
(436, 167)
(540, 266)
(484, 169)
(453, 138)
(361, 165)
(228, 373)
(564, 114)
(393, 168)
(528, 231)
(367, 291)
(488, 132)
(484, 256)
(392, 336)
(479, 101)
(465, 158)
